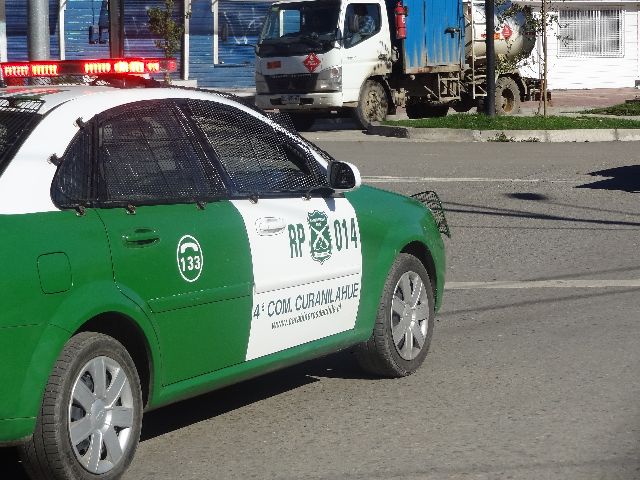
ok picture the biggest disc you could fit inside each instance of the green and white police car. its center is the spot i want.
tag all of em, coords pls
(163, 242)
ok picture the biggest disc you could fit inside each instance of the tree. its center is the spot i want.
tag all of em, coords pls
(162, 24)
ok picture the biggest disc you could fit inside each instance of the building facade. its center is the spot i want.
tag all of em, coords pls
(591, 44)
(217, 49)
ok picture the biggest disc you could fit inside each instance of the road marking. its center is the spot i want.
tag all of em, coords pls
(635, 282)
(392, 179)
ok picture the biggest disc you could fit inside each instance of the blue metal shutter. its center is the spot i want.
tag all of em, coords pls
(201, 65)
(16, 17)
(138, 41)
(78, 18)
(242, 20)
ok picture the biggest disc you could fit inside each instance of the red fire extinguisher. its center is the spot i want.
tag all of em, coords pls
(401, 20)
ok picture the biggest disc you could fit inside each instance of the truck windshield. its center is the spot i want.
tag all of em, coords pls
(299, 27)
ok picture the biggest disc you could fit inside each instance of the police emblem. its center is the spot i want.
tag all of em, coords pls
(320, 236)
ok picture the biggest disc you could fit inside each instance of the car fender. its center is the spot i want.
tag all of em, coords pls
(70, 316)
(396, 223)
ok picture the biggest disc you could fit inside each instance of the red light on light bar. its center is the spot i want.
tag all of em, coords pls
(24, 70)
(93, 68)
(107, 66)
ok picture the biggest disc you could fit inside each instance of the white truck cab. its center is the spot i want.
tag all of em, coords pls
(318, 56)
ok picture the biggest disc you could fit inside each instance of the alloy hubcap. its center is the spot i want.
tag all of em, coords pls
(409, 315)
(100, 415)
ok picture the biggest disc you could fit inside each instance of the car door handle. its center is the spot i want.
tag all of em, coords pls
(270, 225)
(141, 237)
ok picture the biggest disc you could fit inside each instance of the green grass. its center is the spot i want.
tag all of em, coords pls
(482, 122)
(624, 109)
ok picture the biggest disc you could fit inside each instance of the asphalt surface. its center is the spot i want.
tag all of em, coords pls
(538, 379)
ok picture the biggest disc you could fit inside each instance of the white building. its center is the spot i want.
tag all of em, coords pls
(591, 44)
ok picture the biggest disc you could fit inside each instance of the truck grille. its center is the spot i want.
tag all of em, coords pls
(297, 83)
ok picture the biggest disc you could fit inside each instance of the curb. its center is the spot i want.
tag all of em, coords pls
(462, 135)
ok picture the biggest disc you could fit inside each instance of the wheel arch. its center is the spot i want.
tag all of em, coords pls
(129, 333)
(422, 253)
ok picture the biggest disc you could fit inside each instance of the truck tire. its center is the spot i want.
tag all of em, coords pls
(302, 121)
(91, 415)
(417, 108)
(404, 324)
(507, 96)
(373, 104)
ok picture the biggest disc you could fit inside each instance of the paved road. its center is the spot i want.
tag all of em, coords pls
(537, 379)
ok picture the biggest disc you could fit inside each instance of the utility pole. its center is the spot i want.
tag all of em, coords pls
(116, 29)
(490, 104)
(38, 29)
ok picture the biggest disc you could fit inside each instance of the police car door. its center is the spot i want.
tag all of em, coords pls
(305, 249)
(178, 250)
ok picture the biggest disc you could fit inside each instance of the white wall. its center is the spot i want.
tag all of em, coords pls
(594, 72)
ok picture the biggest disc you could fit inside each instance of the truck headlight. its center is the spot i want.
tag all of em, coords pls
(261, 84)
(329, 80)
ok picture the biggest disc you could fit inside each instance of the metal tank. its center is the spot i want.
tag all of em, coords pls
(511, 35)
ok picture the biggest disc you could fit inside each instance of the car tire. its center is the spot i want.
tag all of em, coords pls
(106, 421)
(373, 104)
(402, 332)
(507, 96)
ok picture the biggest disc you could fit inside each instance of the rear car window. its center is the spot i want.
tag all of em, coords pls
(18, 117)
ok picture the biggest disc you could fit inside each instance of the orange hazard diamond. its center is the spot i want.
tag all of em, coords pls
(311, 62)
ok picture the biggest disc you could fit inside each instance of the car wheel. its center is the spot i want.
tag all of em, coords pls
(507, 96)
(373, 104)
(91, 415)
(404, 324)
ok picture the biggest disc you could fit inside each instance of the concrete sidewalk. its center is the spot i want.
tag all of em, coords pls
(563, 101)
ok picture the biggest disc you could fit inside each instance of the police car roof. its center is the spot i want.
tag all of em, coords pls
(56, 95)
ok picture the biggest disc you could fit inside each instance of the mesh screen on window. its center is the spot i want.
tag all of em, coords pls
(72, 183)
(257, 157)
(148, 154)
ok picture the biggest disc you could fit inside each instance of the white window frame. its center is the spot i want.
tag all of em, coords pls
(594, 30)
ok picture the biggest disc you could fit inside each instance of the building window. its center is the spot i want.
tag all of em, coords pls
(590, 33)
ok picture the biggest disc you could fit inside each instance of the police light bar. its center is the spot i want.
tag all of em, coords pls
(108, 66)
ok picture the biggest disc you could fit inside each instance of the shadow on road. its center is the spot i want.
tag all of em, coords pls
(182, 414)
(625, 179)
(209, 405)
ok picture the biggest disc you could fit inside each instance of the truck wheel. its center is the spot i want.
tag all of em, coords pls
(301, 121)
(417, 108)
(507, 96)
(373, 104)
(91, 415)
(404, 324)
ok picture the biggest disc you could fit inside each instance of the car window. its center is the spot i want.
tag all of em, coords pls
(367, 18)
(258, 158)
(18, 117)
(145, 153)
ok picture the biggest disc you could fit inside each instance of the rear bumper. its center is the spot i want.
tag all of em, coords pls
(308, 101)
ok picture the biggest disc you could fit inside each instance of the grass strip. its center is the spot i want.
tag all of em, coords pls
(624, 109)
(537, 122)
